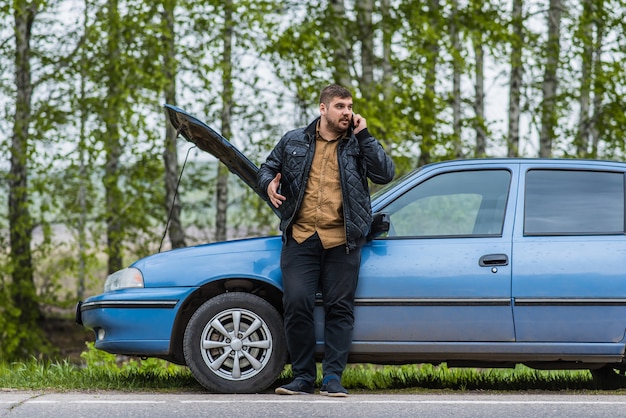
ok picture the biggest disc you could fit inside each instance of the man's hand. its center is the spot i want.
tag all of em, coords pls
(276, 199)
(359, 123)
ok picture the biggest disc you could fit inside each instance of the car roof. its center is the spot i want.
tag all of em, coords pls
(526, 160)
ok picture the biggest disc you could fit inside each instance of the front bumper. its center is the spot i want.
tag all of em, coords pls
(133, 321)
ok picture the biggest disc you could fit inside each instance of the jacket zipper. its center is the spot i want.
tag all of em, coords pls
(343, 195)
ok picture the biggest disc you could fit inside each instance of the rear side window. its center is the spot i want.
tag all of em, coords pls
(569, 202)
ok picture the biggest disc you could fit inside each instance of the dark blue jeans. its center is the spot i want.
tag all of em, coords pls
(307, 268)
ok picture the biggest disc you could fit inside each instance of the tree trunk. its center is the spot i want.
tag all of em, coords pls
(387, 35)
(584, 122)
(83, 164)
(479, 96)
(226, 115)
(342, 46)
(112, 142)
(599, 86)
(587, 137)
(430, 95)
(550, 83)
(387, 86)
(515, 80)
(170, 154)
(22, 289)
(456, 79)
(366, 38)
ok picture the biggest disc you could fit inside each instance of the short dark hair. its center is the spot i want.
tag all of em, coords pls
(332, 91)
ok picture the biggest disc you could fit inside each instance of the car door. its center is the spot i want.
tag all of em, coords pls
(570, 254)
(443, 272)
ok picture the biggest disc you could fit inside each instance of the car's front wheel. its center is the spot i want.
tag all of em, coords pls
(235, 343)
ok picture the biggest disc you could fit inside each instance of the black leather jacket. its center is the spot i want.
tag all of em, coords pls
(359, 157)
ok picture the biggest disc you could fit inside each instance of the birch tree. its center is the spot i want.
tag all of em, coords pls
(457, 70)
(126, 56)
(515, 78)
(366, 35)
(429, 106)
(23, 333)
(170, 153)
(340, 42)
(112, 137)
(607, 119)
(478, 37)
(552, 49)
(221, 191)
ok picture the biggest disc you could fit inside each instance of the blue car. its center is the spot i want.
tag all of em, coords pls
(476, 263)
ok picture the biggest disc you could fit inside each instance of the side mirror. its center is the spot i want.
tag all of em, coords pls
(380, 225)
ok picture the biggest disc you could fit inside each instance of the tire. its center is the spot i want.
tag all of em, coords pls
(609, 378)
(223, 362)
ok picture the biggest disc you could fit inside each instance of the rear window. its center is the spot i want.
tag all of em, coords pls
(569, 202)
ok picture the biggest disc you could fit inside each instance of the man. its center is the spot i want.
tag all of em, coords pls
(317, 177)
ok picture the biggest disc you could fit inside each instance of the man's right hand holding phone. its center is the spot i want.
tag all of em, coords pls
(358, 123)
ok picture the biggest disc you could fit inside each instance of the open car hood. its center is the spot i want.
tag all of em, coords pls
(205, 138)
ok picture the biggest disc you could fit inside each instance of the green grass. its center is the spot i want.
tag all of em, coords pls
(441, 377)
(103, 371)
(65, 377)
(369, 377)
(100, 371)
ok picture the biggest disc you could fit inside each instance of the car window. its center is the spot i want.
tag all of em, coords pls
(569, 202)
(462, 203)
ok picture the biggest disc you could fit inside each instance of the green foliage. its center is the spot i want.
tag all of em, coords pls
(19, 340)
(96, 118)
(9, 327)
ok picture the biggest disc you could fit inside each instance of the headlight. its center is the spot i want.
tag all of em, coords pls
(128, 277)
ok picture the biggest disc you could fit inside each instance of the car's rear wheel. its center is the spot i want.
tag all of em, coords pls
(608, 377)
(235, 343)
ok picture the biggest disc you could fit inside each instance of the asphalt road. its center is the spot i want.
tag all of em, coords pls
(17, 404)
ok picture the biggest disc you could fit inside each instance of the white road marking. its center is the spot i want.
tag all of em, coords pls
(451, 402)
(304, 400)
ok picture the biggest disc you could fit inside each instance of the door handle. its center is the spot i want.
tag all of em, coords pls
(490, 260)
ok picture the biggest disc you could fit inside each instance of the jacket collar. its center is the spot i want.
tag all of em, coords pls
(311, 129)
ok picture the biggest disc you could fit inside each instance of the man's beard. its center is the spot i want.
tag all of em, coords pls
(336, 127)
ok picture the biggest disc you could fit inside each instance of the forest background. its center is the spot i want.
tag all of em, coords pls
(90, 166)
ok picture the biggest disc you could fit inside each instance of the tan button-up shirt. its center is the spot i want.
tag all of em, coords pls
(322, 206)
